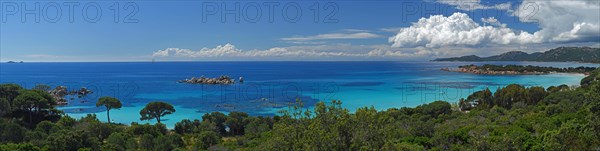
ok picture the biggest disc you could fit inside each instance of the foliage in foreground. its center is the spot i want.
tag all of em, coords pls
(512, 118)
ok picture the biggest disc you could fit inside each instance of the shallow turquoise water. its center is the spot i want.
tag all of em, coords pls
(269, 86)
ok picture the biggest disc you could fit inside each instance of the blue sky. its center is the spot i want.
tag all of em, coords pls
(341, 30)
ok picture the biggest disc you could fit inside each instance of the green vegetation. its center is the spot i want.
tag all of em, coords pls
(561, 54)
(156, 110)
(109, 103)
(511, 118)
(587, 81)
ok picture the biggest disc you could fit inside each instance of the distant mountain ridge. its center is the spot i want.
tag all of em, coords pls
(561, 54)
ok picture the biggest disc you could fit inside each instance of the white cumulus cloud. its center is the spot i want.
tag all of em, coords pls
(563, 21)
(457, 29)
(493, 21)
(559, 22)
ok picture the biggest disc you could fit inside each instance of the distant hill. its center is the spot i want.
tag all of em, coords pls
(561, 54)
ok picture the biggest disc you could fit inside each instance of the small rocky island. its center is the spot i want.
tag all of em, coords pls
(60, 92)
(489, 69)
(225, 80)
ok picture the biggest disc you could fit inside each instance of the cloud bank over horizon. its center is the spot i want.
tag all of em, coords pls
(293, 52)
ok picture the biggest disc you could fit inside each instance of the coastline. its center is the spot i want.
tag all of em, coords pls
(405, 85)
(516, 74)
(596, 63)
(491, 69)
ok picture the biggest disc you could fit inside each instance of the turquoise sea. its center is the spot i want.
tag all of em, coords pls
(268, 87)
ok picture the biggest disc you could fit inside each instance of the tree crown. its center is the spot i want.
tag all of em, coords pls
(109, 102)
(156, 109)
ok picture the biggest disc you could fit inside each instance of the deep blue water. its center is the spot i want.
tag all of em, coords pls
(268, 86)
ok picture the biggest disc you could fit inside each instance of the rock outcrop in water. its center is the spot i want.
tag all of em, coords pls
(60, 92)
(81, 92)
(203, 80)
